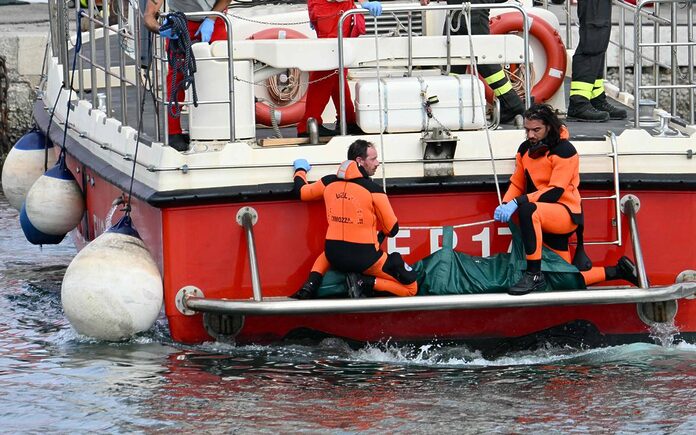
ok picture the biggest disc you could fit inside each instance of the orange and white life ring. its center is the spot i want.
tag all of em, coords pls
(556, 60)
(292, 113)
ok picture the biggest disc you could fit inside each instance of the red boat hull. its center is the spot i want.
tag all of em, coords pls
(203, 246)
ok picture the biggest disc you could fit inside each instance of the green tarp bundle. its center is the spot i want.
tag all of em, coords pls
(447, 272)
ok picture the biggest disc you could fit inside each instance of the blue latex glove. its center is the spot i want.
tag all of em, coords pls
(504, 212)
(375, 8)
(167, 33)
(301, 164)
(206, 29)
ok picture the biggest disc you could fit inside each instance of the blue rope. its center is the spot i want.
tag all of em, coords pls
(181, 61)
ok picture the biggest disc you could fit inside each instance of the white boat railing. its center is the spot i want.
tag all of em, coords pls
(616, 197)
(640, 14)
(674, 65)
(230, 69)
(101, 73)
(130, 32)
(465, 7)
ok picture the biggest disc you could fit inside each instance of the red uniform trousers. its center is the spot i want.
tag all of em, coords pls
(324, 17)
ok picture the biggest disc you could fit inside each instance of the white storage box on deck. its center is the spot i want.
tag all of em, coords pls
(403, 99)
(212, 121)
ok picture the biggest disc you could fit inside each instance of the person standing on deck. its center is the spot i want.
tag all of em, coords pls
(544, 192)
(356, 208)
(588, 102)
(204, 29)
(323, 17)
(511, 104)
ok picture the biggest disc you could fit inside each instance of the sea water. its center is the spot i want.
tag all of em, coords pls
(52, 380)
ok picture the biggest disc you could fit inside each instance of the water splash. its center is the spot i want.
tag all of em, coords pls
(664, 333)
(110, 215)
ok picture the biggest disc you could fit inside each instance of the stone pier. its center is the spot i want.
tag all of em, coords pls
(24, 32)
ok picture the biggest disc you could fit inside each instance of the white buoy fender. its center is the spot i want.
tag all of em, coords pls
(24, 164)
(34, 236)
(54, 204)
(112, 289)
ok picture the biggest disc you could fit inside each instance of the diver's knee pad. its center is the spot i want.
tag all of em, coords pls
(397, 267)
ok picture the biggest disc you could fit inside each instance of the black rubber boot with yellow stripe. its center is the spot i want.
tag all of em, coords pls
(580, 108)
(510, 103)
(599, 102)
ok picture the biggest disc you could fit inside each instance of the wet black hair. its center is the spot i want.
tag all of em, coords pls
(546, 114)
(358, 149)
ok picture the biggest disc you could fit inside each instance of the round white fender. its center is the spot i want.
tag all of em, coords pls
(112, 289)
(23, 166)
(54, 204)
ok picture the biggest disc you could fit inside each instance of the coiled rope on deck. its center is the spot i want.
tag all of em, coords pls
(181, 61)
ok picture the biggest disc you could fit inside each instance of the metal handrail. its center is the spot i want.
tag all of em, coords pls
(597, 296)
(230, 70)
(631, 209)
(638, 45)
(61, 50)
(614, 155)
(431, 7)
(247, 217)
(657, 21)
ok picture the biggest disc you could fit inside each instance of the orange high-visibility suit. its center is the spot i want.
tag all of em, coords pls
(356, 209)
(546, 190)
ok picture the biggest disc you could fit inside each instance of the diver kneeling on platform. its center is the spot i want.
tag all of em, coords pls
(356, 208)
(544, 193)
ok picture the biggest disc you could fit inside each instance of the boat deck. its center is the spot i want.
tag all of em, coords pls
(152, 130)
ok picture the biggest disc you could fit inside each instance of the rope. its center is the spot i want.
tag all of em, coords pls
(466, 12)
(517, 79)
(261, 82)
(127, 207)
(282, 94)
(274, 119)
(78, 47)
(379, 102)
(436, 227)
(4, 108)
(181, 61)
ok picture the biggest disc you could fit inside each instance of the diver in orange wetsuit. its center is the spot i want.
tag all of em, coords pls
(544, 193)
(356, 209)
(324, 16)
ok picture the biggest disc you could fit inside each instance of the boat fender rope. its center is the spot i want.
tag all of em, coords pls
(274, 115)
(181, 60)
(466, 12)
